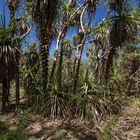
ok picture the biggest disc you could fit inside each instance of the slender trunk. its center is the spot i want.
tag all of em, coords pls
(53, 70)
(17, 81)
(44, 52)
(97, 71)
(77, 69)
(59, 69)
(12, 12)
(76, 77)
(4, 92)
(8, 92)
(102, 71)
(85, 31)
(12, 23)
(60, 60)
(69, 72)
(108, 65)
(74, 65)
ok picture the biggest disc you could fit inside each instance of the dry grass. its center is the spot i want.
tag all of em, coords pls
(128, 125)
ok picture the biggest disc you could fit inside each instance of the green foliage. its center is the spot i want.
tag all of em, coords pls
(23, 119)
(107, 133)
(7, 134)
(3, 127)
(135, 100)
(35, 95)
(92, 99)
(32, 78)
(126, 71)
(56, 102)
(5, 34)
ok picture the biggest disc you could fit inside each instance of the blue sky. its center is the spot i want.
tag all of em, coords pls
(100, 14)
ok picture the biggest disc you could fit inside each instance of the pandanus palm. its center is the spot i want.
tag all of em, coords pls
(66, 12)
(12, 5)
(7, 60)
(32, 67)
(44, 12)
(90, 7)
(7, 66)
(124, 29)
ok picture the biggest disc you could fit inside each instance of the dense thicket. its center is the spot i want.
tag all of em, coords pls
(70, 83)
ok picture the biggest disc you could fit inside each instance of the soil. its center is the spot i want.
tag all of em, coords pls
(127, 126)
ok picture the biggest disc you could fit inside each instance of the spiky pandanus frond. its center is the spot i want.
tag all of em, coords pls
(32, 67)
(44, 12)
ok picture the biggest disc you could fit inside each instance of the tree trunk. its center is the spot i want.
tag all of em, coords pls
(44, 52)
(76, 77)
(77, 69)
(53, 70)
(4, 93)
(108, 65)
(17, 81)
(8, 92)
(59, 69)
